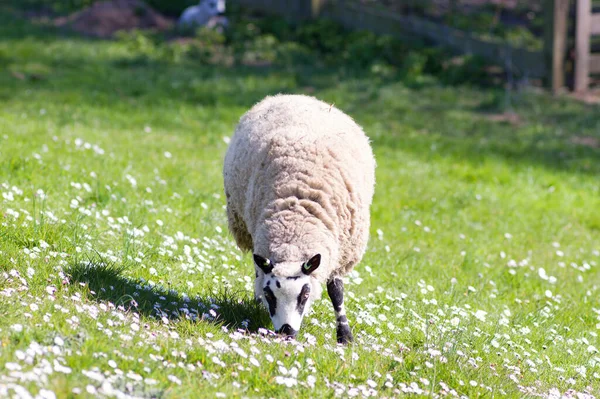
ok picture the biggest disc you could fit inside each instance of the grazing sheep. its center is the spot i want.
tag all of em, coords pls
(299, 178)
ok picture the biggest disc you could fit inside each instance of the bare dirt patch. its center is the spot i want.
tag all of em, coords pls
(511, 118)
(587, 141)
(591, 96)
(104, 18)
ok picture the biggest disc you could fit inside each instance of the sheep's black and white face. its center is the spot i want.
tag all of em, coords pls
(288, 298)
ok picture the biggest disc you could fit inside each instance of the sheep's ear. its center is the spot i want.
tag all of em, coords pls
(264, 264)
(311, 265)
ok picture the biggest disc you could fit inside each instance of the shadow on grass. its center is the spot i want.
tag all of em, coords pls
(107, 283)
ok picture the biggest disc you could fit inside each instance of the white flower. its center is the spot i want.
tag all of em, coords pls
(131, 180)
(45, 394)
(287, 381)
(480, 315)
(174, 379)
(12, 366)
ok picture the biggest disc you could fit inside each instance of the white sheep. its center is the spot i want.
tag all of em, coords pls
(299, 179)
(201, 14)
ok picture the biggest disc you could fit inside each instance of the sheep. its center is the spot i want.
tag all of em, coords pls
(206, 13)
(299, 177)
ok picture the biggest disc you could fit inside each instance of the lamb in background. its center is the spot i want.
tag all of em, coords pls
(299, 178)
(207, 13)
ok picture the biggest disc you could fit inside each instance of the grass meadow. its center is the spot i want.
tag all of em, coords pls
(118, 277)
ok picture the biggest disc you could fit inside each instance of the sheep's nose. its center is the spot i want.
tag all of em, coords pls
(286, 329)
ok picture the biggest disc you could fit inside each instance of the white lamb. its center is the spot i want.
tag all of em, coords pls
(202, 14)
(299, 178)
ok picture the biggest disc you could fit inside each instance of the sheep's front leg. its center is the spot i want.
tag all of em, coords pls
(335, 289)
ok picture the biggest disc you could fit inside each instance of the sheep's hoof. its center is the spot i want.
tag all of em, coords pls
(344, 335)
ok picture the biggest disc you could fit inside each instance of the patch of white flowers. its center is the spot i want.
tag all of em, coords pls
(419, 326)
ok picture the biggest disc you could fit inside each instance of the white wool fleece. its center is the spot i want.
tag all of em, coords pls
(299, 178)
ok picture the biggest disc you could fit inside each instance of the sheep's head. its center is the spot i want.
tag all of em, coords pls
(288, 298)
(213, 7)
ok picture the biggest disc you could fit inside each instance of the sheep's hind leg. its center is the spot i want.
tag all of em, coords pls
(335, 289)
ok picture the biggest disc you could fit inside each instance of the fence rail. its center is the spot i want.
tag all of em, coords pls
(548, 64)
(586, 63)
(358, 16)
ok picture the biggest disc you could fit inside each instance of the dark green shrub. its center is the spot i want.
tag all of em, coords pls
(138, 42)
(362, 49)
(277, 26)
(414, 64)
(207, 46)
(465, 69)
(171, 8)
(261, 50)
(322, 35)
(294, 54)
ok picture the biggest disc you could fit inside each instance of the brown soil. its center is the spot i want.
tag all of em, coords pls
(104, 18)
(511, 118)
(592, 96)
(587, 141)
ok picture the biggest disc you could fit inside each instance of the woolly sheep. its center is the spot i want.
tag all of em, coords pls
(201, 14)
(299, 178)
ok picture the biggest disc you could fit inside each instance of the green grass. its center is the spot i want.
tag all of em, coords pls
(117, 271)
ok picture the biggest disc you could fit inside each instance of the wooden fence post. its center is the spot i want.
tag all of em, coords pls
(556, 14)
(582, 45)
(310, 9)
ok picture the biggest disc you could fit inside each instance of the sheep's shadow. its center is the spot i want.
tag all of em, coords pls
(107, 283)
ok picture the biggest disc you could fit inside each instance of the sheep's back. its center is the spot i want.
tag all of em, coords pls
(293, 150)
